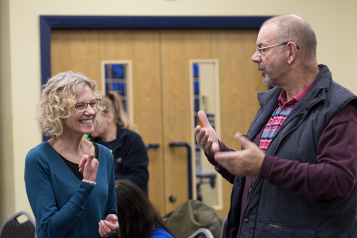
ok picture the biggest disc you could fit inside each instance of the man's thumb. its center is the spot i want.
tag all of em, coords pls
(203, 119)
(242, 140)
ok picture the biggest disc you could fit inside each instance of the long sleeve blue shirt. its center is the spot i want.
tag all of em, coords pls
(63, 205)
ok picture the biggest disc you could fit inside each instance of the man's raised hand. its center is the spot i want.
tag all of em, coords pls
(206, 136)
(247, 162)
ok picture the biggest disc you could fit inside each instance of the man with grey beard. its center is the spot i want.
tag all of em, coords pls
(296, 175)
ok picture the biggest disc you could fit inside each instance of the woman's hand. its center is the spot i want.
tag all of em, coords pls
(89, 167)
(109, 226)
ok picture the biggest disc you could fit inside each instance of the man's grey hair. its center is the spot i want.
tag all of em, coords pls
(294, 28)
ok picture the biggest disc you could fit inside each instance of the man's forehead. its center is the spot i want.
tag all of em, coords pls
(266, 35)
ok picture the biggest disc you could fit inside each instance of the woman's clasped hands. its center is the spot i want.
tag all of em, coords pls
(109, 226)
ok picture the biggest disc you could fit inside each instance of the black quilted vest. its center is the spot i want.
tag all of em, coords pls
(274, 212)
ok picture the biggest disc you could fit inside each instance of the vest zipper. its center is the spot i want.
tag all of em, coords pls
(254, 185)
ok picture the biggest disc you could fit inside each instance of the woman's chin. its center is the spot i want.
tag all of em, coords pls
(87, 131)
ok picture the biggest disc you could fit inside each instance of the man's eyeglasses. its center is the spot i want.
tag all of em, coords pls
(260, 50)
(81, 107)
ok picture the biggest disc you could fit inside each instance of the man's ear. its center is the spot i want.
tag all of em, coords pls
(292, 52)
(110, 117)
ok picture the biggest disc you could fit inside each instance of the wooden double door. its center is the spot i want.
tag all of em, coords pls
(161, 90)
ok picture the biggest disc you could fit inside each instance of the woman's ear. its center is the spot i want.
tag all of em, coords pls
(110, 117)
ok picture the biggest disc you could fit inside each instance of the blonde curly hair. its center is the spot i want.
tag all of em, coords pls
(58, 99)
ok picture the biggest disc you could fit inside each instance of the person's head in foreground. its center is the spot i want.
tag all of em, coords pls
(137, 216)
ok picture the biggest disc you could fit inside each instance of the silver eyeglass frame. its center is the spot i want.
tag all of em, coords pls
(257, 49)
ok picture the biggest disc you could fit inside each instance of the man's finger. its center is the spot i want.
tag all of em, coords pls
(203, 119)
(208, 144)
(242, 140)
(197, 129)
(200, 134)
(223, 157)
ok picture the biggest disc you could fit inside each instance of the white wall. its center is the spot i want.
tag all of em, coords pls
(334, 22)
(7, 184)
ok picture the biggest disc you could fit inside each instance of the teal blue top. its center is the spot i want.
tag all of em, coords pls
(160, 233)
(63, 205)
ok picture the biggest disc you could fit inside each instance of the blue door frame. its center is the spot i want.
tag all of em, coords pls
(47, 23)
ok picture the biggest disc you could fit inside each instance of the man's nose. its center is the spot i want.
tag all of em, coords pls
(256, 58)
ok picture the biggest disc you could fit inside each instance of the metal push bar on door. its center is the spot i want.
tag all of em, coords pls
(148, 146)
(176, 144)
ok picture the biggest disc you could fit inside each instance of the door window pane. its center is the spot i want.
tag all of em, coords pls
(115, 80)
(117, 76)
(205, 98)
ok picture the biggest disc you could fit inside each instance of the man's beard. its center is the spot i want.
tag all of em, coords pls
(267, 80)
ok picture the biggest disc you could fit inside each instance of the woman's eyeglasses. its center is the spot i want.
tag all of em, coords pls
(81, 107)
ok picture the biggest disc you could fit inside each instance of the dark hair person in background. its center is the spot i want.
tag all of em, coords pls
(70, 194)
(137, 216)
(119, 134)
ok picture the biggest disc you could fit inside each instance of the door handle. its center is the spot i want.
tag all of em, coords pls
(175, 144)
(148, 146)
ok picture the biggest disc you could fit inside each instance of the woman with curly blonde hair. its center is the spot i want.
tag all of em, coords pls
(69, 193)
